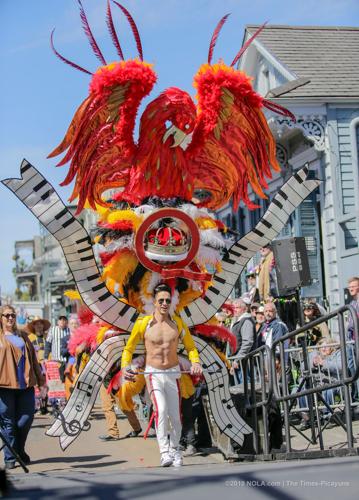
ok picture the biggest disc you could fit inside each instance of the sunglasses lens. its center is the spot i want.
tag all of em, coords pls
(167, 301)
(8, 316)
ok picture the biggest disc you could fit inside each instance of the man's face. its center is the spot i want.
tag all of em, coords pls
(269, 312)
(353, 288)
(163, 302)
(62, 323)
(264, 251)
(39, 328)
(238, 308)
(251, 281)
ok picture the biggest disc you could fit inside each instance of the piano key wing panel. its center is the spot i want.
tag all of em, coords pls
(43, 201)
(238, 255)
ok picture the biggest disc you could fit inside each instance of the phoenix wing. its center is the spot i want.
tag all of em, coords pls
(99, 142)
(232, 146)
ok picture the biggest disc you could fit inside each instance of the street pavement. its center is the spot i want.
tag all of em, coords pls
(128, 469)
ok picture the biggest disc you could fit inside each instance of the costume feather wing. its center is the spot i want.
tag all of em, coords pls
(99, 140)
(232, 146)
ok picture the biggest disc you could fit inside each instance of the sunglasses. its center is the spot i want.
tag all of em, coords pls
(8, 316)
(166, 301)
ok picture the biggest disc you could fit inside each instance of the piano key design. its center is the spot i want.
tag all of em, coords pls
(74, 418)
(43, 201)
(288, 198)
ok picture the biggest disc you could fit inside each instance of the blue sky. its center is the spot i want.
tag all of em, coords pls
(39, 94)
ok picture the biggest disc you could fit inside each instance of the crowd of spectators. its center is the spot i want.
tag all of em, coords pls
(259, 323)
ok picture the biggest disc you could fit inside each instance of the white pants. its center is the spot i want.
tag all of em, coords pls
(165, 394)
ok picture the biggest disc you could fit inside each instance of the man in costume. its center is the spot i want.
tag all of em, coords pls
(161, 334)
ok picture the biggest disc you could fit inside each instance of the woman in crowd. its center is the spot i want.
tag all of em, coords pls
(325, 363)
(19, 373)
(312, 312)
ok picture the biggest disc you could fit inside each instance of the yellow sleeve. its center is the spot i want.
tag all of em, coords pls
(189, 344)
(135, 337)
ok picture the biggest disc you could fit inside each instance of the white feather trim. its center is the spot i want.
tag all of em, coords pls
(123, 242)
(212, 238)
(208, 255)
(144, 210)
(193, 211)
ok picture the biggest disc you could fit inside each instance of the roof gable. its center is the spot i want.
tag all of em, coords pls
(327, 56)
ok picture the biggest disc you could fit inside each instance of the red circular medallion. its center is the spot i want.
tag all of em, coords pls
(162, 213)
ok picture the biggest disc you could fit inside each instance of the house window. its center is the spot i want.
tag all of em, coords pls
(350, 234)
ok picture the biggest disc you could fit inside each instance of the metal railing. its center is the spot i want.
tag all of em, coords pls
(268, 382)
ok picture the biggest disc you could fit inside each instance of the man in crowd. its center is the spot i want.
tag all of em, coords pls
(353, 288)
(266, 278)
(252, 294)
(161, 334)
(273, 328)
(54, 340)
(244, 330)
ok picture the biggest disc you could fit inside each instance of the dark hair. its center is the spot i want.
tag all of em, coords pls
(62, 317)
(162, 287)
(314, 307)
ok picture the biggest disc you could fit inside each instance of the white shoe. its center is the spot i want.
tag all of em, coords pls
(166, 460)
(177, 459)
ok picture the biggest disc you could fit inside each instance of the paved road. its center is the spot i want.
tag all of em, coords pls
(128, 469)
(314, 479)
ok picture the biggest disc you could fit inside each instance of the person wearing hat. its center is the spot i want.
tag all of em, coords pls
(312, 312)
(253, 291)
(37, 334)
(251, 295)
(260, 319)
(37, 329)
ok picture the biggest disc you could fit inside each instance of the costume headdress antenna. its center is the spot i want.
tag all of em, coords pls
(91, 38)
(63, 59)
(215, 36)
(277, 108)
(133, 28)
(247, 44)
(93, 43)
(112, 31)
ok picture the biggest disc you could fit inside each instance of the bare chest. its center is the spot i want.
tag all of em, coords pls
(161, 334)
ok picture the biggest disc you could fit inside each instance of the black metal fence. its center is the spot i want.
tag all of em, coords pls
(292, 377)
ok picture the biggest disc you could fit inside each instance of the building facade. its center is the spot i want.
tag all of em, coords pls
(313, 71)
